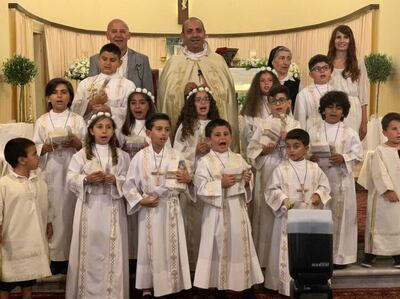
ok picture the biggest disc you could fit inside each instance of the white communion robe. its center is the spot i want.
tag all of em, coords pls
(192, 210)
(117, 89)
(286, 183)
(24, 214)
(358, 92)
(382, 231)
(98, 261)
(137, 130)
(307, 104)
(227, 257)
(250, 123)
(262, 220)
(343, 204)
(162, 261)
(56, 166)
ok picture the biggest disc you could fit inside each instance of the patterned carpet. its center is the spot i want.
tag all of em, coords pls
(337, 294)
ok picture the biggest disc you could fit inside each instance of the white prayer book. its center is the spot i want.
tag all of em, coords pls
(59, 135)
(271, 133)
(323, 151)
(236, 171)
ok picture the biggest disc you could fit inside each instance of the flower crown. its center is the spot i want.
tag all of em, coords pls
(145, 91)
(263, 68)
(197, 89)
(98, 114)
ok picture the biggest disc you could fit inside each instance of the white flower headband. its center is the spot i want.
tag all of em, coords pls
(268, 68)
(145, 91)
(197, 89)
(100, 113)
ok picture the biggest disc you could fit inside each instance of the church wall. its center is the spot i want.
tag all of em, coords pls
(153, 16)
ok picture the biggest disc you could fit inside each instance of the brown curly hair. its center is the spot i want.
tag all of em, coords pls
(90, 141)
(252, 104)
(188, 116)
(351, 70)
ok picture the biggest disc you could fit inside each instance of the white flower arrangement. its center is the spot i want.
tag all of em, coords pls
(145, 91)
(78, 70)
(261, 63)
(100, 113)
(294, 71)
(251, 63)
(197, 89)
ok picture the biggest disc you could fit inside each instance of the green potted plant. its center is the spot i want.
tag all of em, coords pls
(19, 71)
(380, 68)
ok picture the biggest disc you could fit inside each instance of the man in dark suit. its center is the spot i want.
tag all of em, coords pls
(135, 66)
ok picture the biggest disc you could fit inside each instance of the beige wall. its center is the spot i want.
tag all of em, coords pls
(155, 16)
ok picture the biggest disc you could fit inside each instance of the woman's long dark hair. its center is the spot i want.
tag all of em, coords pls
(351, 69)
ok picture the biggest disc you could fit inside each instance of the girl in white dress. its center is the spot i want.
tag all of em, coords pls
(132, 136)
(200, 107)
(350, 75)
(98, 262)
(255, 107)
(58, 135)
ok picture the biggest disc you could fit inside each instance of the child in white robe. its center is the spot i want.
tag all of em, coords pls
(382, 231)
(98, 261)
(156, 176)
(345, 150)
(107, 91)
(58, 135)
(25, 220)
(132, 138)
(200, 107)
(265, 151)
(255, 107)
(223, 180)
(307, 100)
(296, 184)
(132, 135)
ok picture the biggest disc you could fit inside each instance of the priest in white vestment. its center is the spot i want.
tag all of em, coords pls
(195, 62)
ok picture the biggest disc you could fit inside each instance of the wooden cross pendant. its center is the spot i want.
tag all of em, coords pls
(302, 190)
(157, 173)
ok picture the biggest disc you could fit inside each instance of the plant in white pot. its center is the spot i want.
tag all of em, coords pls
(380, 68)
(19, 71)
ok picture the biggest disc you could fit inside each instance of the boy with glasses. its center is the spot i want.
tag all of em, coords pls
(307, 100)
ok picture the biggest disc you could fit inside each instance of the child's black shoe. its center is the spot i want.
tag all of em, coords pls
(369, 260)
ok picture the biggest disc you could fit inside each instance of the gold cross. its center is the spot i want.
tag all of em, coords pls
(302, 190)
(157, 173)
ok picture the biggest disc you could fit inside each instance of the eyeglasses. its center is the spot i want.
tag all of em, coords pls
(321, 69)
(202, 99)
(277, 101)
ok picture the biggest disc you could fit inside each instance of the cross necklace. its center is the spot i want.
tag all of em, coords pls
(222, 163)
(301, 190)
(65, 125)
(107, 166)
(157, 168)
(106, 188)
(66, 121)
(332, 146)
